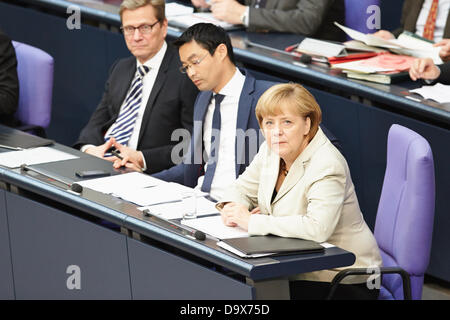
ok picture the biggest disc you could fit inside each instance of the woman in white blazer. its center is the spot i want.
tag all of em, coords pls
(299, 185)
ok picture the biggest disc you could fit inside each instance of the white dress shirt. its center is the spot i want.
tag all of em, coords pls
(225, 173)
(441, 18)
(154, 64)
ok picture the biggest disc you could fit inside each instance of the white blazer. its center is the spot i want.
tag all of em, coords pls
(317, 201)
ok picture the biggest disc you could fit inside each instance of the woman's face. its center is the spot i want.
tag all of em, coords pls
(286, 133)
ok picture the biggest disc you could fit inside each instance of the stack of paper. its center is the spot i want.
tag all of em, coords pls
(438, 92)
(406, 44)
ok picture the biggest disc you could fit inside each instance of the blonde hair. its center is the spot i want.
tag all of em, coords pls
(282, 96)
(158, 5)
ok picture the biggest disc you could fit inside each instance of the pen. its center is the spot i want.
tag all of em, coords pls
(117, 154)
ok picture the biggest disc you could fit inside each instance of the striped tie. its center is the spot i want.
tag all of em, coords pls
(430, 25)
(124, 125)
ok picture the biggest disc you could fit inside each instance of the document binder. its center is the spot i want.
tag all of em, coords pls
(19, 140)
(272, 245)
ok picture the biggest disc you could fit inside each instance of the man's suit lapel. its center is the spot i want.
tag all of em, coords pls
(127, 78)
(201, 107)
(159, 83)
(246, 101)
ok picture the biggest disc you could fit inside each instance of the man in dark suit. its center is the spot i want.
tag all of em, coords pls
(426, 69)
(9, 83)
(146, 98)
(312, 18)
(415, 18)
(216, 156)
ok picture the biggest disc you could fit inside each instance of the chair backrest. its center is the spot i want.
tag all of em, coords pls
(356, 14)
(35, 72)
(404, 223)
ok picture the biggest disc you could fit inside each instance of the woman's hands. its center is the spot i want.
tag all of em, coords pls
(234, 214)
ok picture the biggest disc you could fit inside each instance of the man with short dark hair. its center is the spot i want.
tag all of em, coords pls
(146, 98)
(225, 106)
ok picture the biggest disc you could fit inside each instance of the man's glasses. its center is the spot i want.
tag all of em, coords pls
(143, 29)
(185, 68)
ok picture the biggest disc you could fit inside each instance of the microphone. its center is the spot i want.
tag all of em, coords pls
(306, 58)
(75, 187)
(197, 234)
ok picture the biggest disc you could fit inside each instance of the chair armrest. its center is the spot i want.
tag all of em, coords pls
(363, 271)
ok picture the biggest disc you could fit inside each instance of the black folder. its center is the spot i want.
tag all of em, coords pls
(22, 140)
(274, 245)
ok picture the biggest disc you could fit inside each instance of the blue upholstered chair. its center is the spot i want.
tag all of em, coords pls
(405, 217)
(35, 72)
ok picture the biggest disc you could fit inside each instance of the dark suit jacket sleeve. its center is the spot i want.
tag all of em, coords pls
(93, 132)
(304, 18)
(445, 73)
(9, 83)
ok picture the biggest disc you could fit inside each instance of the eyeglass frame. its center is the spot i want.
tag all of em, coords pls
(122, 28)
(184, 69)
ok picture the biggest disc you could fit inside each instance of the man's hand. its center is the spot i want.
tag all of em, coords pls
(228, 10)
(130, 158)
(384, 34)
(100, 150)
(445, 49)
(424, 69)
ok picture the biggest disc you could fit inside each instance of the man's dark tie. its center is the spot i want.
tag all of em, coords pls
(213, 154)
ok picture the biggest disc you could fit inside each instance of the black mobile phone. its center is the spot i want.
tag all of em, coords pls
(92, 174)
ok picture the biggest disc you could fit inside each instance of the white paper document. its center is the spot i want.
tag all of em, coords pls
(188, 20)
(438, 92)
(404, 44)
(321, 48)
(162, 193)
(14, 159)
(174, 210)
(113, 184)
(176, 9)
(215, 227)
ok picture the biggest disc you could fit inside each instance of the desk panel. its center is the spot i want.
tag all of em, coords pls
(59, 256)
(156, 274)
(6, 277)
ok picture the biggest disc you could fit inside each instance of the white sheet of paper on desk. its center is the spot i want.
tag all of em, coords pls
(114, 184)
(176, 9)
(174, 210)
(188, 20)
(162, 193)
(439, 92)
(215, 227)
(14, 159)
(321, 48)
